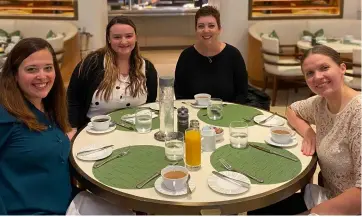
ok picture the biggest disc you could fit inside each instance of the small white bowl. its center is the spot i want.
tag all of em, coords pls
(202, 99)
(281, 137)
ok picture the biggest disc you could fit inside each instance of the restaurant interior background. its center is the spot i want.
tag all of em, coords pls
(165, 28)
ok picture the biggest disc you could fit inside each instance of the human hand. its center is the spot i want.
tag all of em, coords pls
(309, 142)
(71, 133)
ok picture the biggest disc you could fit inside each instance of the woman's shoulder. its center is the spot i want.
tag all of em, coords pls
(189, 51)
(5, 116)
(231, 49)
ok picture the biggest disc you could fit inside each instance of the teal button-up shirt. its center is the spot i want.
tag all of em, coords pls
(34, 167)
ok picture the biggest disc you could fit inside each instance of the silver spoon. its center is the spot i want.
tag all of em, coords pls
(189, 192)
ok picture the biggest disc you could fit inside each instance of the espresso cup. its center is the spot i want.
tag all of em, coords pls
(202, 99)
(174, 177)
(281, 134)
(101, 122)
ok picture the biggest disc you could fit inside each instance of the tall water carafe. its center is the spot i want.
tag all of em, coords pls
(166, 99)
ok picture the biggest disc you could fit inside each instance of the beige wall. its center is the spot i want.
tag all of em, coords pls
(235, 23)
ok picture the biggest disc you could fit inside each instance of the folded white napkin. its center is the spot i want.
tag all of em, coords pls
(130, 118)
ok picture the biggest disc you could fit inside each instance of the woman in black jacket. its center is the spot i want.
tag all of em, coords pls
(111, 78)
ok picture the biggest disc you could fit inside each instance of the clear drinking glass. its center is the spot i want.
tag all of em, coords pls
(143, 120)
(215, 109)
(238, 134)
(174, 146)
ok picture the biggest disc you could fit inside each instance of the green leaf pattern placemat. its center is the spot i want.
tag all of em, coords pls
(231, 112)
(116, 116)
(140, 163)
(271, 168)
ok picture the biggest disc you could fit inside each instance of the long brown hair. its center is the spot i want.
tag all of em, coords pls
(12, 97)
(137, 84)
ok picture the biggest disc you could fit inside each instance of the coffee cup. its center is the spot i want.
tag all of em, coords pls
(101, 122)
(348, 38)
(202, 99)
(281, 134)
(174, 177)
(15, 39)
(208, 140)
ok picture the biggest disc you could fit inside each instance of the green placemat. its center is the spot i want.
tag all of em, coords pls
(271, 168)
(116, 116)
(231, 113)
(140, 163)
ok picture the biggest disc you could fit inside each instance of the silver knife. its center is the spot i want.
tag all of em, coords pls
(267, 119)
(235, 181)
(272, 152)
(82, 153)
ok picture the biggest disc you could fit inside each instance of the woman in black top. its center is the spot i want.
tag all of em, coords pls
(211, 66)
(112, 77)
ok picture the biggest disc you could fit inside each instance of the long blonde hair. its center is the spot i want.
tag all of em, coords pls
(137, 84)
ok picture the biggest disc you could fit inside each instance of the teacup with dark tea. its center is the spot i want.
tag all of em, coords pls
(101, 122)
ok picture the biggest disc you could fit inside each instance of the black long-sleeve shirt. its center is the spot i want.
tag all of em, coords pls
(82, 87)
(222, 76)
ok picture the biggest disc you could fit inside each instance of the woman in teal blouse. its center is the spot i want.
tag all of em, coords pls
(34, 148)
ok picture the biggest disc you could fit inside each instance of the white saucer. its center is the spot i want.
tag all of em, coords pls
(292, 142)
(160, 187)
(89, 128)
(97, 155)
(226, 187)
(195, 105)
(273, 122)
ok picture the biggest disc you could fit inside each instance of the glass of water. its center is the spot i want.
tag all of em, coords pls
(143, 120)
(174, 146)
(215, 109)
(238, 134)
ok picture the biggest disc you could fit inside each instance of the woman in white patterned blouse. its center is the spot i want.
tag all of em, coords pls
(336, 113)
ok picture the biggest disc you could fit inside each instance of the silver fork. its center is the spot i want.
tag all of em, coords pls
(121, 154)
(229, 167)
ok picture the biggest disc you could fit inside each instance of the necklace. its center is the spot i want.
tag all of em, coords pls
(210, 60)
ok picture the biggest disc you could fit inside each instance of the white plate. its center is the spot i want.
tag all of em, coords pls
(195, 105)
(97, 155)
(224, 186)
(274, 121)
(160, 187)
(292, 142)
(89, 128)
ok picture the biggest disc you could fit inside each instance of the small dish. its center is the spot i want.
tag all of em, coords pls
(161, 188)
(89, 128)
(195, 105)
(292, 142)
(274, 121)
(96, 155)
(224, 186)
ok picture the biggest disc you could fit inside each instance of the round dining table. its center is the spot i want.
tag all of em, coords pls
(336, 45)
(117, 184)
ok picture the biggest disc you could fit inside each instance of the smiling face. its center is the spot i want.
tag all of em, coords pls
(207, 30)
(36, 75)
(323, 76)
(122, 39)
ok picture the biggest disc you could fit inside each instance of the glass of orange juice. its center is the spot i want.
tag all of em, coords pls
(193, 148)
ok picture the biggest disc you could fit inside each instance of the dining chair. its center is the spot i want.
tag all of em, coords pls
(352, 77)
(279, 65)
